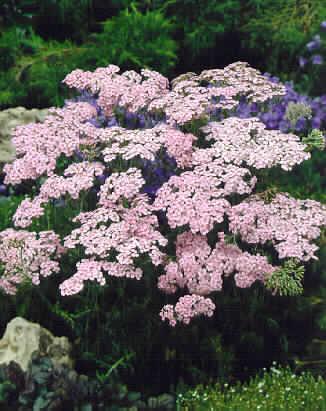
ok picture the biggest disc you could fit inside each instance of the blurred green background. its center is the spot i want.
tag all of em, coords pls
(41, 41)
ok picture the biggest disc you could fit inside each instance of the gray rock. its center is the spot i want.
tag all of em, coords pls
(22, 339)
(9, 120)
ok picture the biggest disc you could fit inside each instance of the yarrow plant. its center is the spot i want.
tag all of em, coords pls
(167, 174)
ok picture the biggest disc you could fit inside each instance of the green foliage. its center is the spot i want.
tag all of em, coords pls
(136, 40)
(15, 12)
(315, 140)
(201, 22)
(274, 390)
(34, 69)
(45, 387)
(57, 19)
(305, 181)
(287, 280)
(277, 44)
(71, 19)
(8, 206)
(10, 42)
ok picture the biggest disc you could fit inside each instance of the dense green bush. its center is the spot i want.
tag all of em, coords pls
(275, 390)
(275, 31)
(55, 19)
(133, 40)
(201, 29)
(33, 68)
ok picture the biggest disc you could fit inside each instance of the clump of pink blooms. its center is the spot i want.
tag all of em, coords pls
(27, 256)
(211, 188)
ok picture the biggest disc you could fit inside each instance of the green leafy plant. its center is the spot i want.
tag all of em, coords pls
(34, 68)
(287, 280)
(276, 389)
(134, 40)
(45, 387)
(315, 139)
(202, 22)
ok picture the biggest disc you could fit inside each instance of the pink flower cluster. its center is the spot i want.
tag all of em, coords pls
(201, 269)
(197, 96)
(27, 256)
(129, 90)
(245, 78)
(191, 97)
(188, 307)
(247, 142)
(77, 178)
(39, 145)
(213, 187)
(146, 143)
(197, 198)
(128, 232)
(291, 225)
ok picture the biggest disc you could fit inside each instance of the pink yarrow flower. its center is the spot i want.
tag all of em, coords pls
(91, 156)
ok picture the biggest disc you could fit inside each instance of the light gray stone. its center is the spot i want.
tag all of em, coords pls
(23, 338)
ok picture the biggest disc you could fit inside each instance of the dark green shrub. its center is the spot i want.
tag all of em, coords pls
(45, 387)
(135, 40)
(276, 30)
(34, 69)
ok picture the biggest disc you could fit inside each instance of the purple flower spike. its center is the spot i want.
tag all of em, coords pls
(323, 25)
(284, 126)
(94, 122)
(3, 189)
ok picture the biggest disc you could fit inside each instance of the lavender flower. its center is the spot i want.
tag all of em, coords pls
(317, 59)
(313, 45)
(3, 189)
